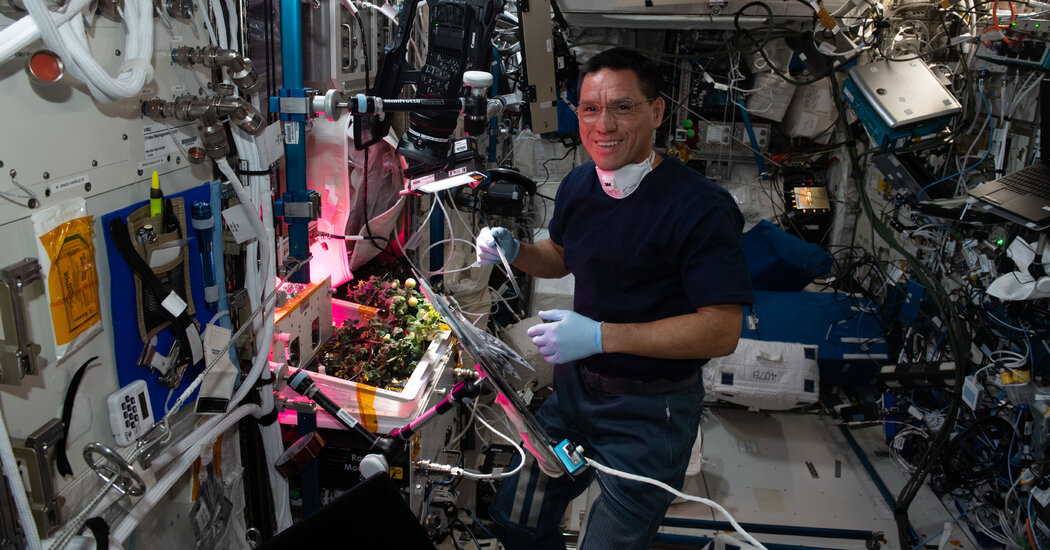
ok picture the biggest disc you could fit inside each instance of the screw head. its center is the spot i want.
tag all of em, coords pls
(32, 203)
(47, 192)
(140, 172)
(124, 137)
(47, 175)
(94, 163)
(116, 52)
(87, 186)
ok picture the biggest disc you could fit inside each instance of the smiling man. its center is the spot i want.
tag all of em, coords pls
(660, 279)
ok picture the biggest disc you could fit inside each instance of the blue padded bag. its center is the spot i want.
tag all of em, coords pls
(778, 260)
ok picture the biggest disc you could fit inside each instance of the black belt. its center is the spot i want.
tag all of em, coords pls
(613, 384)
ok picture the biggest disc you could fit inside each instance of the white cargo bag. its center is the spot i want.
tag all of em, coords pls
(765, 375)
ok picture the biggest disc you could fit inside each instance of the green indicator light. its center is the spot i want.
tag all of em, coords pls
(999, 242)
(1037, 25)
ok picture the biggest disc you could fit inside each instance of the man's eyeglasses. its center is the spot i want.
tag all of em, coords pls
(621, 109)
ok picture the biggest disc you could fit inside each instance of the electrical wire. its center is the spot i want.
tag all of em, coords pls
(988, 107)
(657, 483)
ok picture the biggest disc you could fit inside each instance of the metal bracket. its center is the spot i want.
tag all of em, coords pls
(300, 210)
(294, 105)
(295, 207)
(20, 358)
(37, 455)
(151, 444)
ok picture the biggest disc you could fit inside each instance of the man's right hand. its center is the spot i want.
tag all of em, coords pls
(497, 237)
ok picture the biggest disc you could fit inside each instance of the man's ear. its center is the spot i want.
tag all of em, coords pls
(659, 108)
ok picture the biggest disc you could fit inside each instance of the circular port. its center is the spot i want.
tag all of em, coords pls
(45, 67)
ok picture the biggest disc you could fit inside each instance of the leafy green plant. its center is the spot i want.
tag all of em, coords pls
(384, 350)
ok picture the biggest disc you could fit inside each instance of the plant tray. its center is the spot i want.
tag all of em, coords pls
(378, 409)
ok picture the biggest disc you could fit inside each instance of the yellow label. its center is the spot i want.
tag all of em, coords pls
(72, 281)
(397, 472)
(366, 407)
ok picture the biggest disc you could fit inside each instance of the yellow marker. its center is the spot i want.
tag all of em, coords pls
(155, 196)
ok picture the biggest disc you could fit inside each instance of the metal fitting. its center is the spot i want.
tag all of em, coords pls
(240, 69)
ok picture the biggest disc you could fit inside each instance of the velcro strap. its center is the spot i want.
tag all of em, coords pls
(268, 418)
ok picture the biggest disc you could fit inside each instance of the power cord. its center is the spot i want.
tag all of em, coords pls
(706, 502)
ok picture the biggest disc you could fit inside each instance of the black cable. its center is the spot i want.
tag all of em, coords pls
(746, 33)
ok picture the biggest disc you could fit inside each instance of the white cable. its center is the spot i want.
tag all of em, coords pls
(18, 491)
(466, 426)
(220, 23)
(710, 503)
(389, 14)
(205, 435)
(461, 472)
(265, 331)
(234, 25)
(207, 25)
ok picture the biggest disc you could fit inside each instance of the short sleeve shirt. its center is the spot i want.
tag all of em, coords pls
(670, 247)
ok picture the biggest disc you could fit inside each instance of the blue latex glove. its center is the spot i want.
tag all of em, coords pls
(490, 238)
(569, 337)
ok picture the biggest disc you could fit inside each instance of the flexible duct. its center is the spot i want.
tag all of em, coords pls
(18, 491)
(203, 436)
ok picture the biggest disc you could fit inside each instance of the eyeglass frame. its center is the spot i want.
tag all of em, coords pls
(604, 108)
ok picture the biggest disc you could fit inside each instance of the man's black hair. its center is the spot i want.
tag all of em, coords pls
(619, 59)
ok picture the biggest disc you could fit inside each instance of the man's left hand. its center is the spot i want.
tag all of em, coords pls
(570, 336)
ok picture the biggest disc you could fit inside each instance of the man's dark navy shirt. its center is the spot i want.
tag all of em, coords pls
(670, 247)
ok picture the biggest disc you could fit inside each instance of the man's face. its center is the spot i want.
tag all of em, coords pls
(617, 120)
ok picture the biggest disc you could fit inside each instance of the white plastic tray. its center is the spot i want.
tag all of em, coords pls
(378, 409)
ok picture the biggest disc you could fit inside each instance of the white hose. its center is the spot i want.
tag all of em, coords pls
(24, 32)
(207, 26)
(260, 361)
(207, 433)
(18, 491)
(70, 42)
(220, 24)
(264, 278)
(234, 24)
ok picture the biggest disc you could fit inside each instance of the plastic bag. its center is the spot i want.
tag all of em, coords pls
(65, 240)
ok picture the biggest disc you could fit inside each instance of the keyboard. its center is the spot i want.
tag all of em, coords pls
(1033, 180)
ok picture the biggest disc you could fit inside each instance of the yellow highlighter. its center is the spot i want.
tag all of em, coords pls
(156, 197)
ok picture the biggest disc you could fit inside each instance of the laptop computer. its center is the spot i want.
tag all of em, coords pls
(1023, 196)
(904, 93)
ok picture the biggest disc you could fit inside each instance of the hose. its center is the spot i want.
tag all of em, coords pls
(24, 32)
(18, 491)
(203, 436)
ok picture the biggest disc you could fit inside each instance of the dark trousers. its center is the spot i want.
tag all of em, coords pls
(643, 434)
